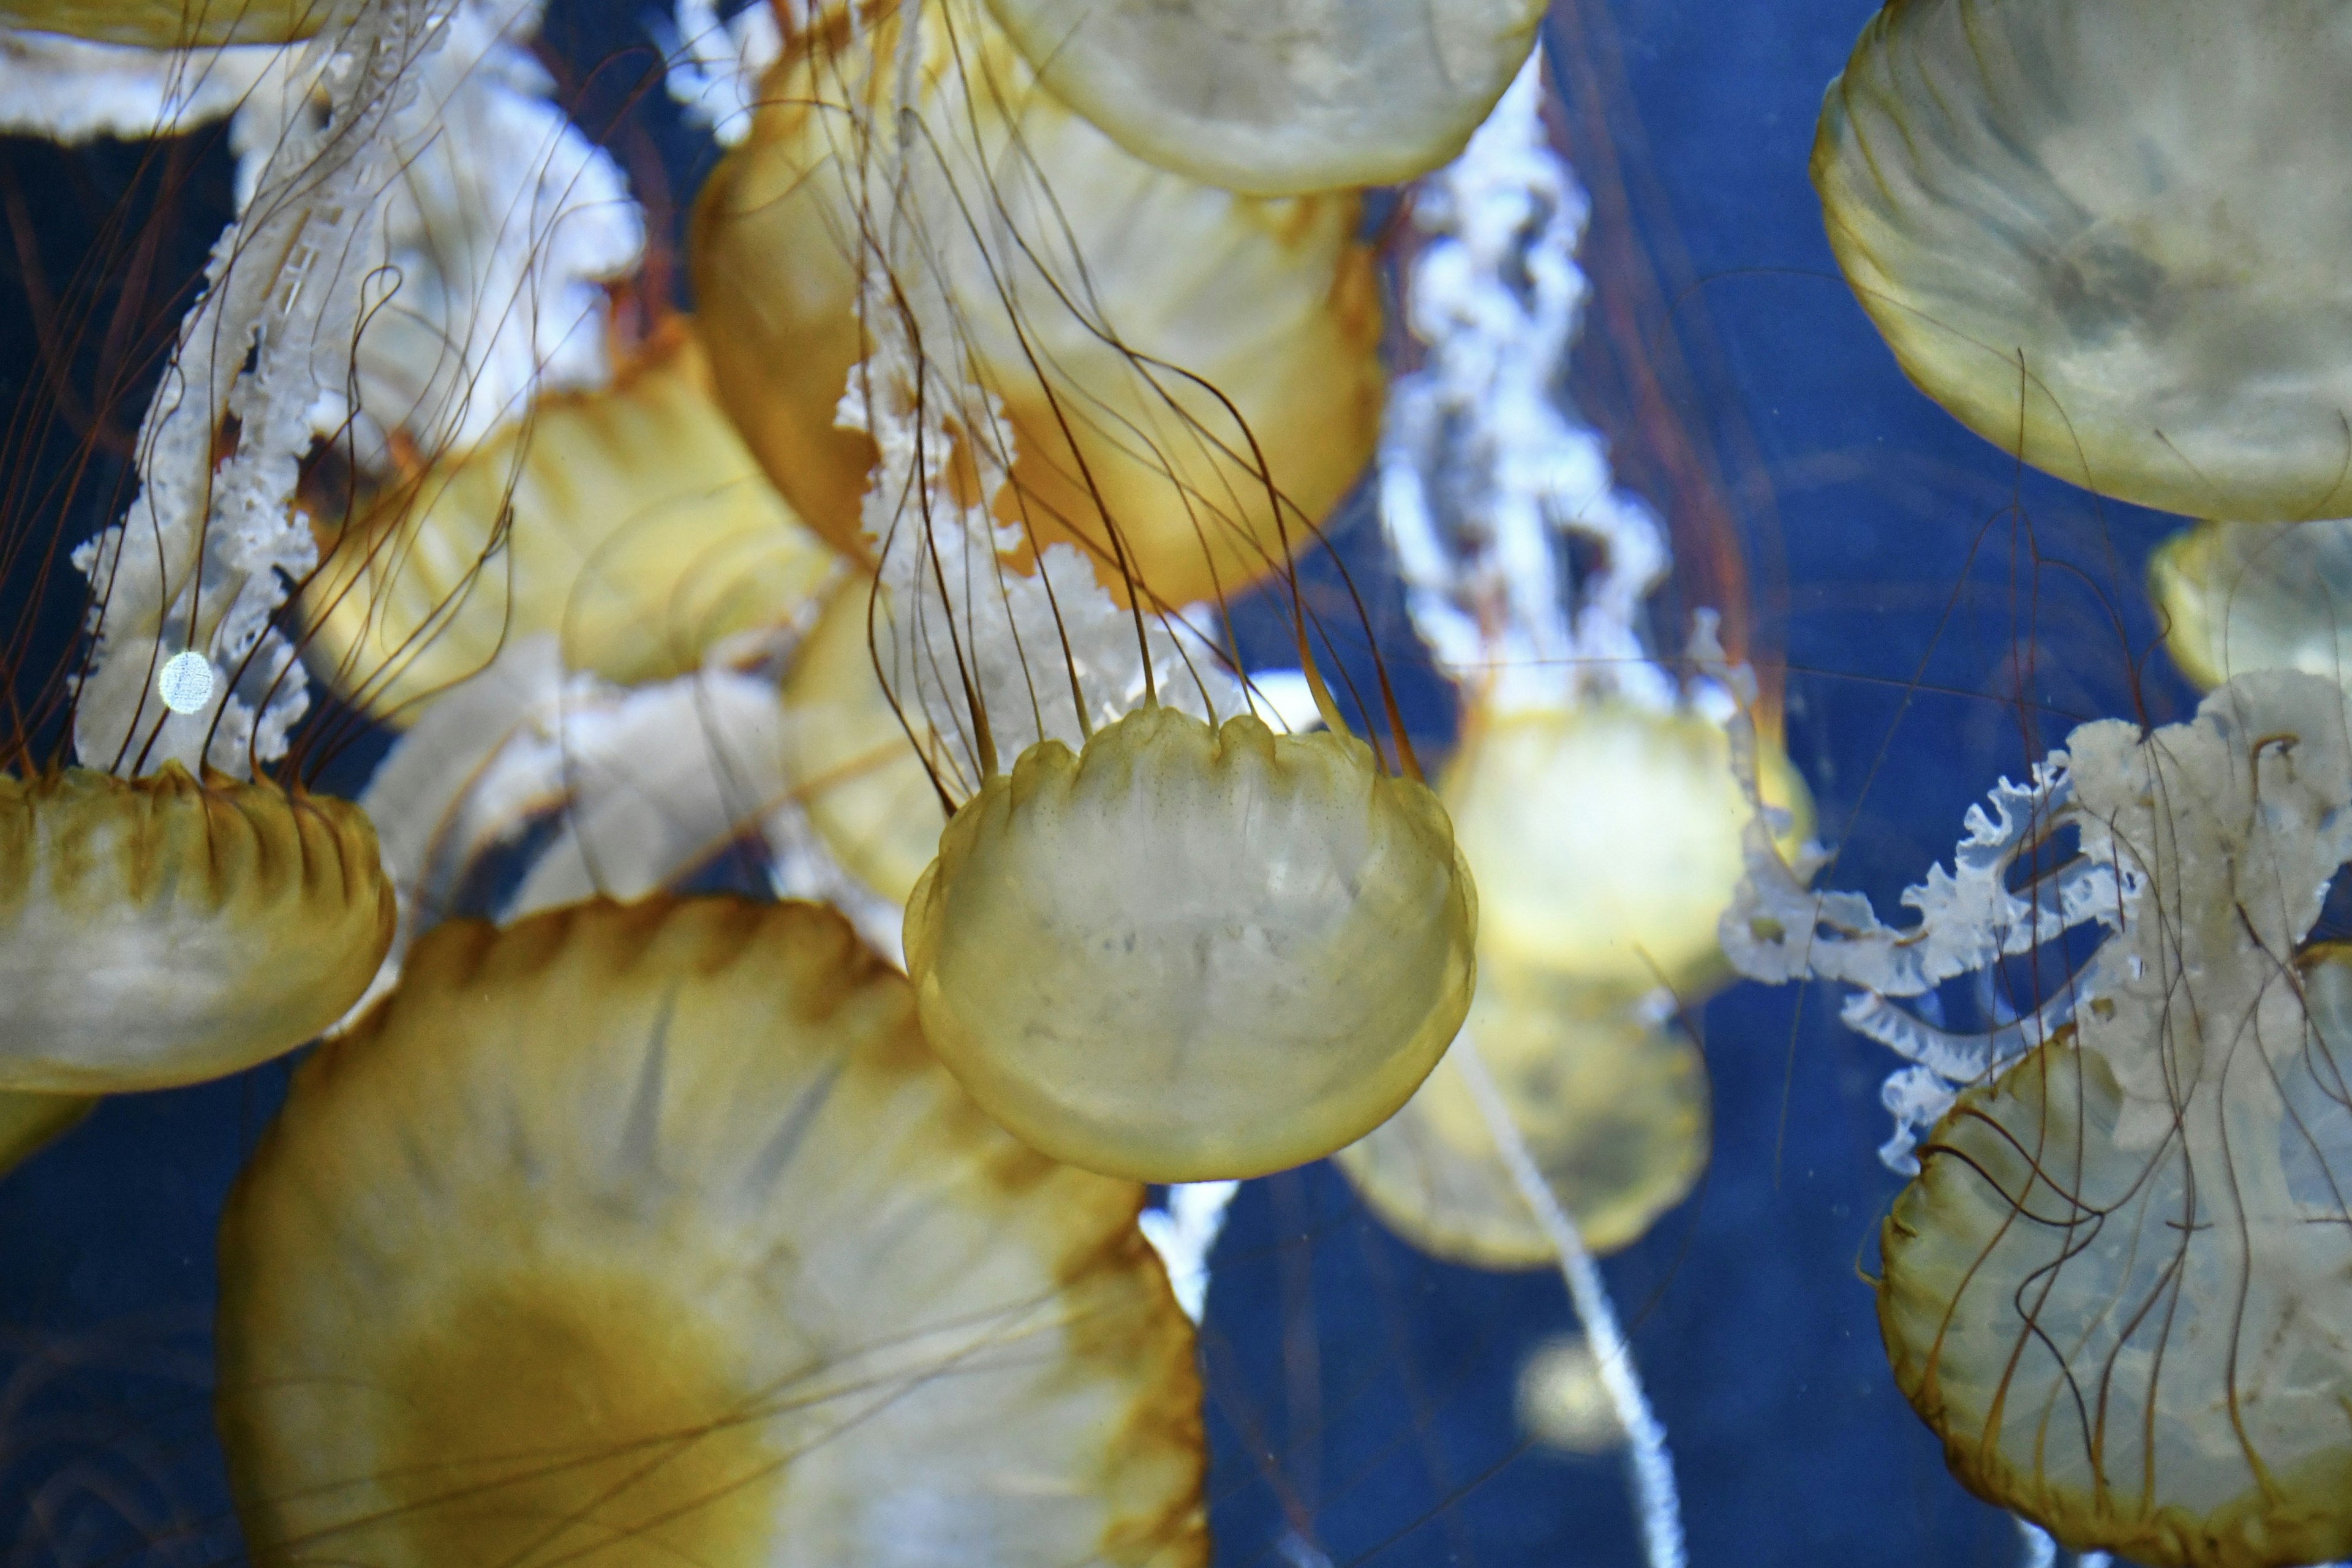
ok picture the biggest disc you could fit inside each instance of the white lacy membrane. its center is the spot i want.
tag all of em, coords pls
(405, 187)
(72, 91)
(952, 618)
(642, 785)
(203, 558)
(713, 64)
(476, 275)
(1483, 474)
(2199, 877)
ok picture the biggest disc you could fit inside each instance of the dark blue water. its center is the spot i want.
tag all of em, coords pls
(1942, 619)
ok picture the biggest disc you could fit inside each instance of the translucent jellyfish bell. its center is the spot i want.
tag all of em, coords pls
(157, 931)
(1607, 839)
(1187, 953)
(630, 520)
(2240, 597)
(1169, 357)
(2107, 234)
(1612, 1105)
(30, 1122)
(652, 1233)
(1280, 99)
(2116, 1288)
(175, 24)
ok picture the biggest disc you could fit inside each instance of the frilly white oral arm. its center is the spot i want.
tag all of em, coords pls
(713, 64)
(203, 558)
(1780, 928)
(1483, 476)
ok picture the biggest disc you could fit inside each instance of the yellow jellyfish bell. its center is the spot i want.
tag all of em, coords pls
(849, 760)
(2107, 236)
(174, 24)
(1190, 953)
(651, 1233)
(1169, 356)
(2117, 1287)
(1607, 839)
(630, 520)
(1612, 1107)
(2240, 597)
(1279, 99)
(158, 931)
(31, 1122)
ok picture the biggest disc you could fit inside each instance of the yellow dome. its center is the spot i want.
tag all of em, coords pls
(158, 931)
(1144, 333)
(1614, 1109)
(651, 1234)
(1276, 98)
(1188, 953)
(2108, 236)
(1606, 840)
(174, 24)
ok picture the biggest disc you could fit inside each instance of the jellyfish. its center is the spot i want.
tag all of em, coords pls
(1611, 1104)
(704, 1257)
(1284, 98)
(1188, 378)
(2104, 234)
(628, 520)
(2244, 596)
(169, 24)
(2113, 1287)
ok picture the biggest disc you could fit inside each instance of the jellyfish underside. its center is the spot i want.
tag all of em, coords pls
(159, 932)
(1196, 370)
(1188, 953)
(1274, 98)
(2116, 1288)
(173, 24)
(1611, 1107)
(651, 1233)
(2104, 234)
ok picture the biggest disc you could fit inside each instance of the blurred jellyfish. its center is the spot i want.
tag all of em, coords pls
(1561, 1401)
(2105, 233)
(172, 25)
(2240, 597)
(1611, 1103)
(30, 1122)
(2115, 1288)
(703, 1258)
(629, 519)
(72, 89)
(1184, 380)
(1280, 99)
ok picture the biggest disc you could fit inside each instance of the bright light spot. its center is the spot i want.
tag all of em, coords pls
(185, 683)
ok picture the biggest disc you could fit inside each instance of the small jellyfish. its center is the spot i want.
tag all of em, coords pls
(1612, 1105)
(2116, 1287)
(1281, 98)
(1606, 839)
(2238, 596)
(1192, 372)
(1188, 952)
(2107, 236)
(158, 931)
(652, 1232)
(630, 520)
